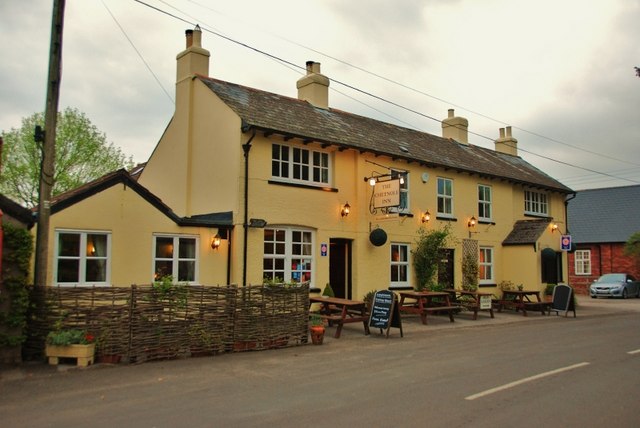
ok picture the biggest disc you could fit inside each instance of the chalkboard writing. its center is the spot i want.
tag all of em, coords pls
(562, 300)
(384, 311)
(381, 309)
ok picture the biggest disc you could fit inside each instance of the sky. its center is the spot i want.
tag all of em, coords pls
(559, 72)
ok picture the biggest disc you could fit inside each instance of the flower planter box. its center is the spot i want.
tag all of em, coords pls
(82, 353)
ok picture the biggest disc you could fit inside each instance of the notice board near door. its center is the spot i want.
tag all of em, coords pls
(385, 312)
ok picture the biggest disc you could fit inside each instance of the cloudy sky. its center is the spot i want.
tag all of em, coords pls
(560, 72)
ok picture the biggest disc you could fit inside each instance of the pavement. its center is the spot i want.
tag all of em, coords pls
(413, 329)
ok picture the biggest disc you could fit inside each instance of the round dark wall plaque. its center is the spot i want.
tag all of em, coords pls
(378, 237)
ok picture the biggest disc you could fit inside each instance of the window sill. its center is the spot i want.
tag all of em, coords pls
(537, 215)
(302, 186)
(446, 218)
(493, 223)
(487, 285)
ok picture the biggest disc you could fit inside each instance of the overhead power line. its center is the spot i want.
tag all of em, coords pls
(138, 52)
(395, 104)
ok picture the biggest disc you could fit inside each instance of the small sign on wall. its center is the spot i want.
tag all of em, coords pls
(565, 243)
(323, 249)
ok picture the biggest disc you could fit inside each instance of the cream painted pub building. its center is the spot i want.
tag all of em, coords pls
(246, 185)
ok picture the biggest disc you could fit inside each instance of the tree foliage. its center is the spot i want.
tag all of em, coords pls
(632, 246)
(82, 154)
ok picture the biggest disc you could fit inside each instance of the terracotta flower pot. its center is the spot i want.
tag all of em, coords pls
(317, 334)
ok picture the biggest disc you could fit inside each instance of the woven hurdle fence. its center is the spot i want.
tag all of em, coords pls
(143, 323)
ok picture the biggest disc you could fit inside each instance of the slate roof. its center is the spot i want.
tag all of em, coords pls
(526, 232)
(295, 118)
(17, 211)
(604, 215)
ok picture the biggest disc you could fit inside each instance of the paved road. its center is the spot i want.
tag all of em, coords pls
(507, 371)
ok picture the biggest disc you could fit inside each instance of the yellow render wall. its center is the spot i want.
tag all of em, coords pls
(132, 222)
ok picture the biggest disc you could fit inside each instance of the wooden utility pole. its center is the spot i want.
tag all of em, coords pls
(47, 167)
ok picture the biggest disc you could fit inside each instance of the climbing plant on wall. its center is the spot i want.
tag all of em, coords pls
(14, 299)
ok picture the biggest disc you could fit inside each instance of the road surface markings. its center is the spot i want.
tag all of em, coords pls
(637, 351)
(526, 379)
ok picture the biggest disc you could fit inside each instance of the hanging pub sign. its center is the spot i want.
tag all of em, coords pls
(386, 194)
(565, 243)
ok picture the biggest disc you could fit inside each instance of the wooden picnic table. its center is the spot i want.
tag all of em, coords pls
(479, 301)
(340, 311)
(521, 300)
(423, 302)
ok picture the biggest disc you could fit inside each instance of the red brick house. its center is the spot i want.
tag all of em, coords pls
(600, 223)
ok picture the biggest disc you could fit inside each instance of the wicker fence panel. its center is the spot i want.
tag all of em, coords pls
(142, 323)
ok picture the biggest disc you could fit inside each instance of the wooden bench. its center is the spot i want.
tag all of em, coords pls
(424, 303)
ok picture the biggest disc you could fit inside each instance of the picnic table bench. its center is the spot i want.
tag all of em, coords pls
(338, 311)
(521, 300)
(423, 302)
(475, 300)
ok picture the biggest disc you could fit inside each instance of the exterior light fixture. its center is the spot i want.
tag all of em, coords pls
(426, 216)
(215, 242)
(554, 227)
(472, 222)
(371, 180)
(346, 209)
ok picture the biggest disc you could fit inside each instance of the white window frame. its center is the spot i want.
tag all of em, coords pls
(399, 282)
(82, 258)
(536, 203)
(175, 258)
(317, 162)
(307, 256)
(485, 202)
(444, 197)
(582, 262)
(486, 265)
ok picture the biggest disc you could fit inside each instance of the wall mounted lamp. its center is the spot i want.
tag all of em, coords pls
(471, 224)
(215, 242)
(426, 216)
(346, 209)
(554, 227)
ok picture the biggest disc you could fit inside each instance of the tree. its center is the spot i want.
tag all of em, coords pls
(82, 154)
(632, 246)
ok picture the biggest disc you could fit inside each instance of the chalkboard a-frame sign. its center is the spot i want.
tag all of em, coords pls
(562, 300)
(384, 312)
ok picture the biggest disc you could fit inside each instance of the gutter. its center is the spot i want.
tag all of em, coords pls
(246, 147)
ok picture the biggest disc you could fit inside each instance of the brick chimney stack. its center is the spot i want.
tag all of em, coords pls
(506, 143)
(194, 59)
(314, 87)
(456, 128)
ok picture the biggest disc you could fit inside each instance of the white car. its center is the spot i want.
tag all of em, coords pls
(615, 285)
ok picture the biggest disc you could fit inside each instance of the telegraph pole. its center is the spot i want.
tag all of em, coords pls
(47, 166)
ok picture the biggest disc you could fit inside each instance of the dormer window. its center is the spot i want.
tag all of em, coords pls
(299, 165)
(535, 203)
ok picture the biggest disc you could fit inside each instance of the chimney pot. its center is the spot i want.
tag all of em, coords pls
(189, 37)
(451, 112)
(508, 131)
(501, 132)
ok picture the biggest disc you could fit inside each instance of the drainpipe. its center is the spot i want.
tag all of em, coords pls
(246, 148)
(229, 256)
(566, 222)
(566, 210)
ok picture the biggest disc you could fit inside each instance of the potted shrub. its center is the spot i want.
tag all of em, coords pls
(316, 329)
(70, 343)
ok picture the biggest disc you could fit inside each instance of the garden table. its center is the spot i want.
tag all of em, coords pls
(342, 311)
